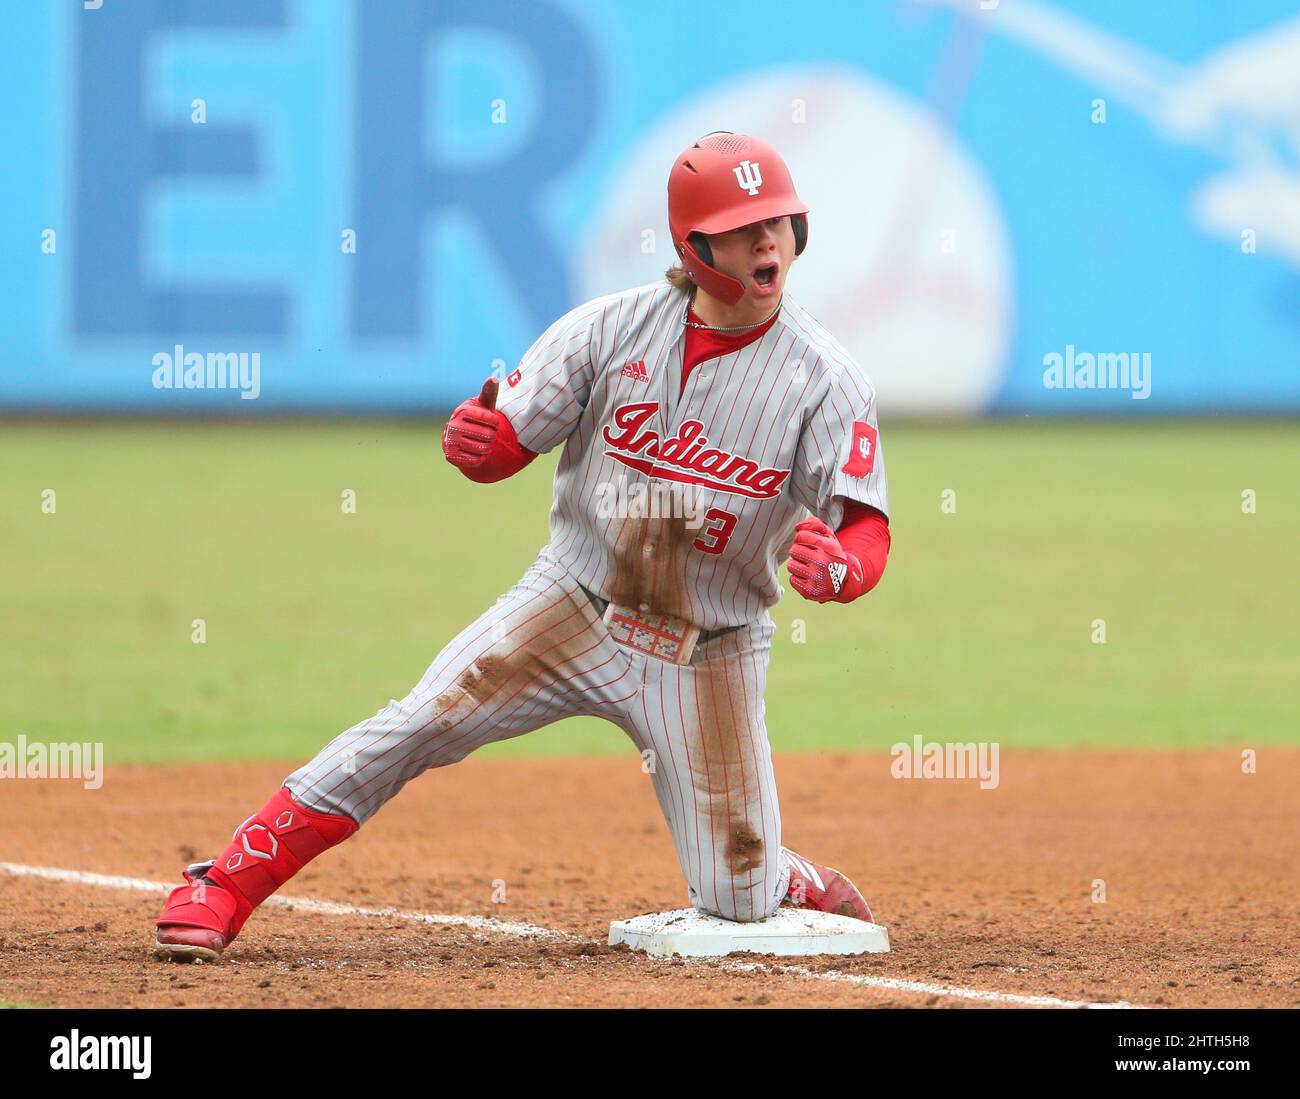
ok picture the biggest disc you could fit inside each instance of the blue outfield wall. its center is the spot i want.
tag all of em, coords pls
(1053, 208)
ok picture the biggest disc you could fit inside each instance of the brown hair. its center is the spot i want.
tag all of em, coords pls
(678, 279)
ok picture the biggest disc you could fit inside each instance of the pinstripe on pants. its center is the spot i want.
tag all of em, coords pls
(541, 653)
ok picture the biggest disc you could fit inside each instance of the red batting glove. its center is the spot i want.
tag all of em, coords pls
(820, 568)
(468, 437)
(480, 441)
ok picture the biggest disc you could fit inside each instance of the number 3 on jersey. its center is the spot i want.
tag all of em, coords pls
(717, 533)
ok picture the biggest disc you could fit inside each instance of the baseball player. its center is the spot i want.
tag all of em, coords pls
(756, 432)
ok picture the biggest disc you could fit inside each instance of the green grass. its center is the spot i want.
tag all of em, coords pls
(980, 629)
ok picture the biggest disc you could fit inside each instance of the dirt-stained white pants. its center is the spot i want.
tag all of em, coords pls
(542, 653)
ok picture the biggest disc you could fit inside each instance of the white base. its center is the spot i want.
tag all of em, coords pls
(788, 932)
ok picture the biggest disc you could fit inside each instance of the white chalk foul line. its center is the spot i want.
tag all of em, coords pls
(899, 985)
(298, 904)
(532, 931)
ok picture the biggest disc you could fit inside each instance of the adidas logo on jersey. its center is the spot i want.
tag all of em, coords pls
(636, 371)
(838, 570)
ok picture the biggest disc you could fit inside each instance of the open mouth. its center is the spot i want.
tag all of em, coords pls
(765, 276)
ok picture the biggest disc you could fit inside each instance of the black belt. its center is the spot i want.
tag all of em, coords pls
(705, 635)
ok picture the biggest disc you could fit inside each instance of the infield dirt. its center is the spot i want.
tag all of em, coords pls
(997, 890)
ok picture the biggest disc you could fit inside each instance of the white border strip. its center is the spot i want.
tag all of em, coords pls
(532, 931)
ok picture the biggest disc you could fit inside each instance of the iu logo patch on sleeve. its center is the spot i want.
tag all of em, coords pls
(862, 454)
(513, 379)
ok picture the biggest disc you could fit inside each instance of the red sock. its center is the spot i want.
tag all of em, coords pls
(270, 847)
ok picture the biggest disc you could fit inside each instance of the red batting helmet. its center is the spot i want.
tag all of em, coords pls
(722, 182)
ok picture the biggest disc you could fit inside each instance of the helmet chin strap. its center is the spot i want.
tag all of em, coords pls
(713, 282)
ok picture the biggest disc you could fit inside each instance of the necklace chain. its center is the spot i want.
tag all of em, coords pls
(731, 328)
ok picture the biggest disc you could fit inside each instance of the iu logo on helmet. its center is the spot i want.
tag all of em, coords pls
(748, 176)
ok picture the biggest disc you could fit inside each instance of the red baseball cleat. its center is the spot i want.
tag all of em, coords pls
(823, 889)
(197, 920)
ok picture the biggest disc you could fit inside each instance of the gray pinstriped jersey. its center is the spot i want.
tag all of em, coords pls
(759, 436)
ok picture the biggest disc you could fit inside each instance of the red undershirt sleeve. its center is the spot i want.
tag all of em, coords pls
(864, 533)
